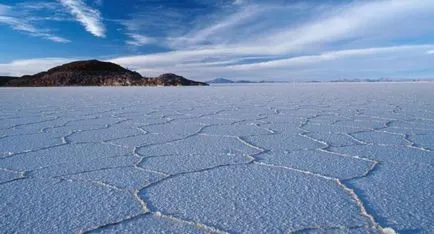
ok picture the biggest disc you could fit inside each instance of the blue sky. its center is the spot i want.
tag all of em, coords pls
(238, 39)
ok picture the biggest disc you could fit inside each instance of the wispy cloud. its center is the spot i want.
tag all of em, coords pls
(357, 21)
(214, 32)
(292, 28)
(258, 40)
(376, 62)
(22, 26)
(330, 56)
(42, 11)
(53, 6)
(174, 25)
(98, 2)
(139, 40)
(90, 18)
(238, 2)
(364, 62)
(3, 9)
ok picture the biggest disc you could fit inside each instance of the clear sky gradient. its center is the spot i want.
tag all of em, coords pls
(236, 39)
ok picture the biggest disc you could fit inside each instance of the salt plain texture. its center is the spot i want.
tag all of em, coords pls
(294, 158)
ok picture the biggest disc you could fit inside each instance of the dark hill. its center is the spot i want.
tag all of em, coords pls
(90, 66)
(96, 73)
(170, 79)
(6, 79)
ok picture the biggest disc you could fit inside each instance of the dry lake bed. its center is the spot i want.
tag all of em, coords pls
(278, 158)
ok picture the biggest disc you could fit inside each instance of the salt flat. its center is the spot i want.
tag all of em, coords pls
(280, 158)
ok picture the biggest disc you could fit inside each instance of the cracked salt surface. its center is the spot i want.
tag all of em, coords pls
(296, 158)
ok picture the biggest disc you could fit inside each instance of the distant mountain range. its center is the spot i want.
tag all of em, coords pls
(227, 81)
(94, 73)
(378, 80)
(220, 81)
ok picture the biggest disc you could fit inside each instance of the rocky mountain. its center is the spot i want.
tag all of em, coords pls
(95, 73)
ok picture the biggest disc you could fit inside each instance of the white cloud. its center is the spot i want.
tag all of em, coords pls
(31, 66)
(52, 6)
(23, 26)
(41, 11)
(406, 61)
(19, 24)
(326, 43)
(53, 38)
(210, 32)
(238, 2)
(98, 2)
(90, 18)
(181, 57)
(189, 28)
(357, 21)
(276, 29)
(227, 58)
(139, 40)
(354, 63)
(3, 9)
(329, 56)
